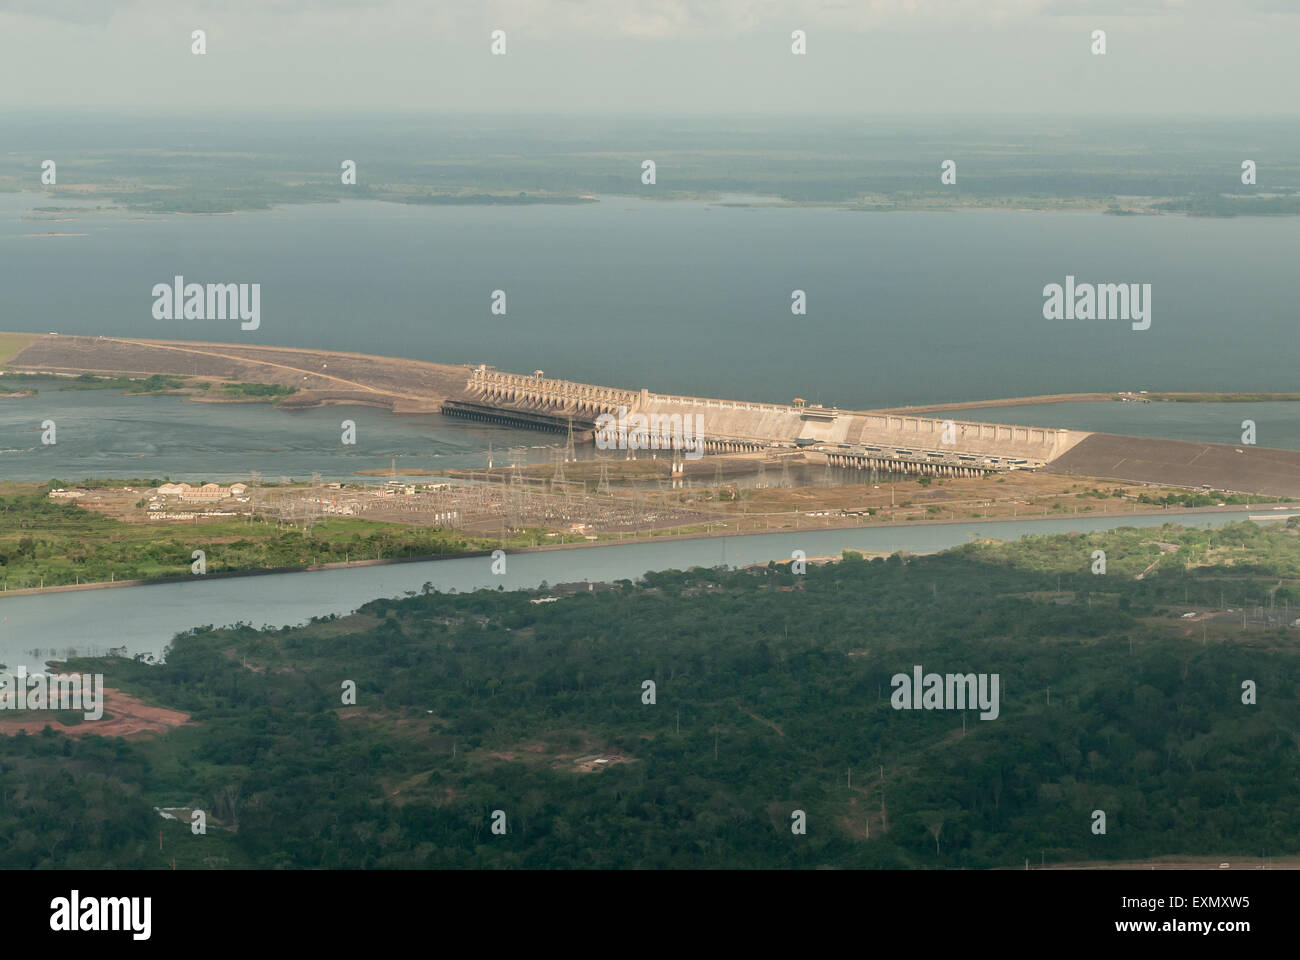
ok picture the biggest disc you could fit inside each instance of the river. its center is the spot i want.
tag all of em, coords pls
(36, 628)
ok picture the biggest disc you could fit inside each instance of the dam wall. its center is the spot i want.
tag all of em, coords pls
(723, 419)
(732, 426)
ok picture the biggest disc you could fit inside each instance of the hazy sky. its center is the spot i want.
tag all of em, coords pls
(1189, 57)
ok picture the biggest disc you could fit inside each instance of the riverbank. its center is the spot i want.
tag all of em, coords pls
(1174, 512)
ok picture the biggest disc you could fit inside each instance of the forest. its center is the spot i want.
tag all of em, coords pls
(771, 695)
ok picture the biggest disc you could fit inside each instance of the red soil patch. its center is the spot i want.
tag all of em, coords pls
(124, 716)
(595, 764)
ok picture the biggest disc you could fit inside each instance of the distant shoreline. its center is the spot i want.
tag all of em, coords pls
(410, 195)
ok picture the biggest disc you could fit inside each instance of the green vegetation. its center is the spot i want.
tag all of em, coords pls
(157, 383)
(258, 390)
(53, 542)
(1177, 497)
(1187, 498)
(771, 688)
(12, 344)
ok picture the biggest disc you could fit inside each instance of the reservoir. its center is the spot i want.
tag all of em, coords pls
(693, 297)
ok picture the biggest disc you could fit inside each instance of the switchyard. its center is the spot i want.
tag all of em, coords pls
(488, 506)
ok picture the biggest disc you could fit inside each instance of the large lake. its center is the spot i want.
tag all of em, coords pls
(695, 297)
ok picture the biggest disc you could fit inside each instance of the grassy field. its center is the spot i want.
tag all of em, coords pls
(51, 543)
(12, 344)
(109, 536)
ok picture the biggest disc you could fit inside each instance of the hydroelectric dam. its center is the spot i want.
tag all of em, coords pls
(888, 441)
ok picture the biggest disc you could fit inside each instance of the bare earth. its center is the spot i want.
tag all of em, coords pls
(124, 716)
(321, 376)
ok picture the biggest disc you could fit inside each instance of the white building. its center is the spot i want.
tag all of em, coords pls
(206, 493)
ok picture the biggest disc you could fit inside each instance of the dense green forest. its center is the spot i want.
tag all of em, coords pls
(772, 694)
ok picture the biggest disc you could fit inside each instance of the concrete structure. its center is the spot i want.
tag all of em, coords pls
(208, 492)
(884, 441)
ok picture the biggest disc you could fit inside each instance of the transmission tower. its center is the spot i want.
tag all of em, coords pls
(517, 456)
(314, 509)
(570, 453)
(603, 486)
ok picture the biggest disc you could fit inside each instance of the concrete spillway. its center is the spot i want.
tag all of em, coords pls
(885, 441)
